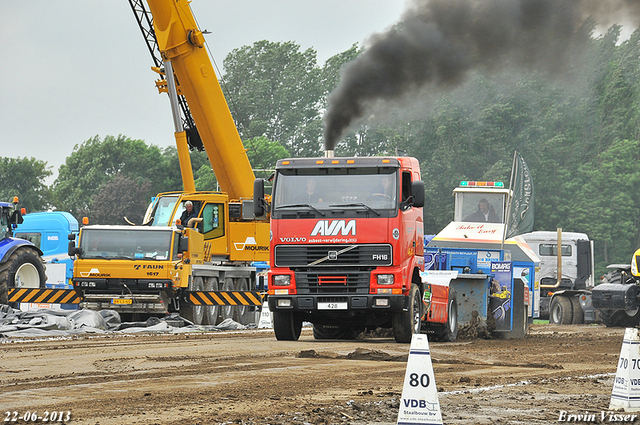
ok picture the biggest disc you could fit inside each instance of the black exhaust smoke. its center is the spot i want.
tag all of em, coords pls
(439, 41)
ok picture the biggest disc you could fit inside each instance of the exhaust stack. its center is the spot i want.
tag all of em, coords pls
(329, 153)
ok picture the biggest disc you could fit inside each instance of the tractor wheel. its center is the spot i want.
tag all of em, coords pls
(23, 269)
(619, 318)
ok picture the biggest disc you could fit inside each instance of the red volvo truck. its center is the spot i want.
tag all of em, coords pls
(346, 246)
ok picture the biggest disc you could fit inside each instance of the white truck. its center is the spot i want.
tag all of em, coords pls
(566, 281)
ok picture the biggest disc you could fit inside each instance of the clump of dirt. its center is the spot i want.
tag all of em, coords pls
(357, 354)
(477, 328)
(366, 354)
(375, 333)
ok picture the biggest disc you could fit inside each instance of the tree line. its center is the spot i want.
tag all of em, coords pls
(578, 131)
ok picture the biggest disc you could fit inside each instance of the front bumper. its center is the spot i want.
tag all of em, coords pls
(132, 303)
(336, 304)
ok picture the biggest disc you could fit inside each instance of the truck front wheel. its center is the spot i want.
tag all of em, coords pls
(406, 323)
(23, 269)
(194, 313)
(286, 326)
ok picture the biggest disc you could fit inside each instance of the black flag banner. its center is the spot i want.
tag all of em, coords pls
(520, 218)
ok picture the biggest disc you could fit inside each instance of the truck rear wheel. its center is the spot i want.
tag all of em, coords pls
(560, 311)
(243, 312)
(406, 323)
(23, 269)
(228, 311)
(211, 312)
(578, 314)
(286, 326)
(194, 313)
(324, 331)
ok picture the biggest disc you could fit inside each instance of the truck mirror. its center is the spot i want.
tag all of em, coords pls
(16, 217)
(417, 191)
(183, 244)
(258, 197)
(72, 251)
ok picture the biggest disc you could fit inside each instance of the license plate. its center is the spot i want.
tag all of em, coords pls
(332, 306)
(121, 301)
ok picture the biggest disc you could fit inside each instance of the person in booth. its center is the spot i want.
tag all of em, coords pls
(484, 214)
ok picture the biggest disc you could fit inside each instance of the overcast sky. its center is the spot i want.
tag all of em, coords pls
(74, 69)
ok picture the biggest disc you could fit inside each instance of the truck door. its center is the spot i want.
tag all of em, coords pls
(584, 264)
(214, 227)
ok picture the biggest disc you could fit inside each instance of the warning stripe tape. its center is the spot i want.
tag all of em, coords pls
(37, 295)
(224, 298)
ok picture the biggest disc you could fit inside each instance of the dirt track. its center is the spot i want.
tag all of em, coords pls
(248, 377)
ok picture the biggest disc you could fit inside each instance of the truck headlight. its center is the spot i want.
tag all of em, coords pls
(385, 279)
(281, 280)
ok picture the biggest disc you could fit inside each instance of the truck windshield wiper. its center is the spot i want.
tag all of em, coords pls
(357, 204)
(301, 205)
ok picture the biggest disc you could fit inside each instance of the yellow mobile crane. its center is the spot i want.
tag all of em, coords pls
(192, 268)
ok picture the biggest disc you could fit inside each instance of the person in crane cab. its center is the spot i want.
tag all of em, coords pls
(188, 213)
(484, 214)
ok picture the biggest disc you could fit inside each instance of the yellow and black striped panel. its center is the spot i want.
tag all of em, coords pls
(223, 298)
(36, 295)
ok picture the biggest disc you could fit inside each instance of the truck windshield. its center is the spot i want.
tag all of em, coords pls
(325, 191)
(162, 213)
(150, 244)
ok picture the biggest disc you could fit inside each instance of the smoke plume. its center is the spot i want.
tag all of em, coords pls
(439, 41)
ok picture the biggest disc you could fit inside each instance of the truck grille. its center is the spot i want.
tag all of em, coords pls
(333, 282)
(370, 255)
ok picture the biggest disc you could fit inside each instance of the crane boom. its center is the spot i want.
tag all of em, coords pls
(181, 42)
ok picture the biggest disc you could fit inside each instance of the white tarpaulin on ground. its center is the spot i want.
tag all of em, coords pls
(16, 323)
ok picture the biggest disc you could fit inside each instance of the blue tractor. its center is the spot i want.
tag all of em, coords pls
(21, 264)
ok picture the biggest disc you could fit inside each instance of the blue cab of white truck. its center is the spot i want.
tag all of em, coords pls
(49, 231)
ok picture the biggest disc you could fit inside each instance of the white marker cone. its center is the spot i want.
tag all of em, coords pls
(626, 387)
(265, 317)
(419, 402)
